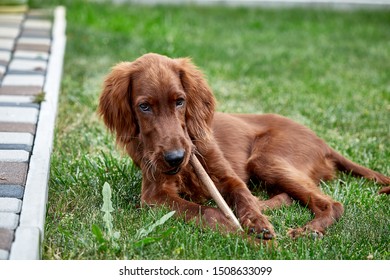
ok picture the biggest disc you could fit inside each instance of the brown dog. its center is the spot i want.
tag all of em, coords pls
(162, 111)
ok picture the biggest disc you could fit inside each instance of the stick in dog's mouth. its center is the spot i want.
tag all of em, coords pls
(204, 177)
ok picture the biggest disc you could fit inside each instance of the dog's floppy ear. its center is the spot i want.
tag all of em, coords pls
(115, 103)
(200, 101)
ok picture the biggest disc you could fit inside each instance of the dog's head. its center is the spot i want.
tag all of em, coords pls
(164, 103)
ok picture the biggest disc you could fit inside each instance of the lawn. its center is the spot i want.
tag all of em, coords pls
(326, 69)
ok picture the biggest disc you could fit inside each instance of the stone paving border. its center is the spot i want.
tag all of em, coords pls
(32, 219)
(31, 60)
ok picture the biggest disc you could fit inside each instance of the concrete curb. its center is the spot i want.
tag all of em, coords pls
(29, 234)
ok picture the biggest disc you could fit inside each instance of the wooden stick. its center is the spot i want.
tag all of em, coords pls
(204, 177)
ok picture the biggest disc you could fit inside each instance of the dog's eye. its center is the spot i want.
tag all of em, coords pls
(180, 102)
(145, 107)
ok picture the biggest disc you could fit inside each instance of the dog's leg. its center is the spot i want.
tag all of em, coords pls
(237, 194)
(167, 195)
(326, 210)
(281, 174)
(384, 190)
(346, 165)
(275, 202)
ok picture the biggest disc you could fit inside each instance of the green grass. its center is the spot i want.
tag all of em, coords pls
(327, 69)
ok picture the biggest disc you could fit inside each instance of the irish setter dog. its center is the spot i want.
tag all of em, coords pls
(162, 111)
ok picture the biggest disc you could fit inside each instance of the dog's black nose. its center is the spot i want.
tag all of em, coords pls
(174, 158)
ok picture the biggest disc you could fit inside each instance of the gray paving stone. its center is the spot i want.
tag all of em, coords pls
(14, 156)
(19, 100)
(12, 205)
(27, 65)
(23, 80)
(16, 114)
(2, 70)
(31, 54)
(16, 147)
(20, 90)
(15, 191)
(6, 44)
(38, 24)
(35, 41)
(10, 22)
(17, 127)
(16, 138)
(20, 105)
(16, 141)
(9, 220)
(25, 72)
(4, 254)
(4, 23)
(11, 18)
(5, 56)
(39, 13)
(32, 47)
(6, 238)
(13, 173)
(9, 32)
(31, 32)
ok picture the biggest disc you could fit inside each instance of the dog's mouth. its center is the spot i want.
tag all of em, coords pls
(173, 171)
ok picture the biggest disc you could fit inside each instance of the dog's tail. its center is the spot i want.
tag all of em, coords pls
(348, 166)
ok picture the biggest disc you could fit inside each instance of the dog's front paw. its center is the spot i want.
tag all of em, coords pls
(265, 233)
(305, 232)
(257, 225)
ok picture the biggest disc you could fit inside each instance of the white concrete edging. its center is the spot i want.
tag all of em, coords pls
(30, 233)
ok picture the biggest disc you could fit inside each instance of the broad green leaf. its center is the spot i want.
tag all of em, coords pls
(98, 234)
(143, 232)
